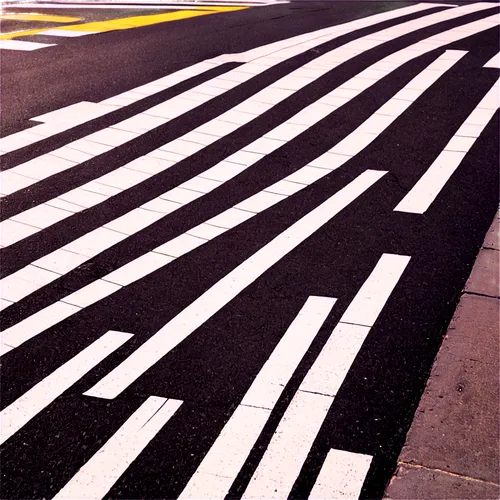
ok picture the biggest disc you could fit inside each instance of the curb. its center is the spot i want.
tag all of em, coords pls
(452, 447)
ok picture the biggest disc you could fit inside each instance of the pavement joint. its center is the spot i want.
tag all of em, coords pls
(455, 474)
(465, 292)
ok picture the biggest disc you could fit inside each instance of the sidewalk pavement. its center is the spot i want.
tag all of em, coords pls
(452, 448)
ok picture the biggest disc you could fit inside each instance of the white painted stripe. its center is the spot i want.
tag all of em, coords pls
(72, 115)
(63, 260)
(25, 224)
(100, 473)
(67, 33)
(494, 62)
(62, 119)
(222, 292)
(333, 363)
(373, 295)
(292, 441)
(426, 190)
(341, 476)
(20, 45)
(220, 466)
(196, 139)
(26, 407)
(265, 57)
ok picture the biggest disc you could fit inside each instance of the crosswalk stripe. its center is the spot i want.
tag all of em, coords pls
(341, 476)
(20, 412)
(221, 465)
(67, 33)
(494, 62)
(70, 116)
(101, 472)
(425, 191)
(26, 224)
(42, 271)
(222, 292)
(25, 138)
(286, 453)
(278, 451)
(21, 45)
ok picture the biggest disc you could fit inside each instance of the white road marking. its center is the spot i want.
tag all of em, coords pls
(342, 476)
(296, 432)
(494, 62)
(428, 187)
(172, 108)
(219, 468)
(354, 86)
(102, 471)
(67, 33)
(21, 45)
(226, 289)
(65, 259)
(292, 46)
(65, 118)
(26, 407)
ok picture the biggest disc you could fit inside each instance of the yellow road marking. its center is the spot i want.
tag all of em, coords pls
(14, 34)
(134, 22)
(39, 17)
(128, 22)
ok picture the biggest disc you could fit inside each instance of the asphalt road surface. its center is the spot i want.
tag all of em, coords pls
(231, 245)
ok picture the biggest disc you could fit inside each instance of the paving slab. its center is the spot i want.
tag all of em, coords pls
(492, 239)
(419, 483)
(484, 280)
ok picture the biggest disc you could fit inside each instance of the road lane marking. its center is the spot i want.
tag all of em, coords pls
(32, 16)
(139, 21)
(100, 473)
(16, 34)
(341, 476)
(425, 191)
(63, 260)
(114, 136)
(226, 289)
(22, 410)
(117, 24)
(20, 45)
(286, 453)
(24, 138)
(494, 62)
(291, 47)
(66, 33)
(221, 465)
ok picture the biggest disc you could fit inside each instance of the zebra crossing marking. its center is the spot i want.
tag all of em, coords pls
(306, 413)
(71, 256)
(100, 473)
(31, 403)
(341, 476)
(226, 457)
(425, 191)
(286, 453)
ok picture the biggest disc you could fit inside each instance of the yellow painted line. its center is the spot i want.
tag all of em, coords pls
(128, 22)
(14, 34)
(39, 17)
(135, 22)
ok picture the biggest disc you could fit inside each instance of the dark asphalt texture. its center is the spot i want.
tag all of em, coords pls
(213, 368)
